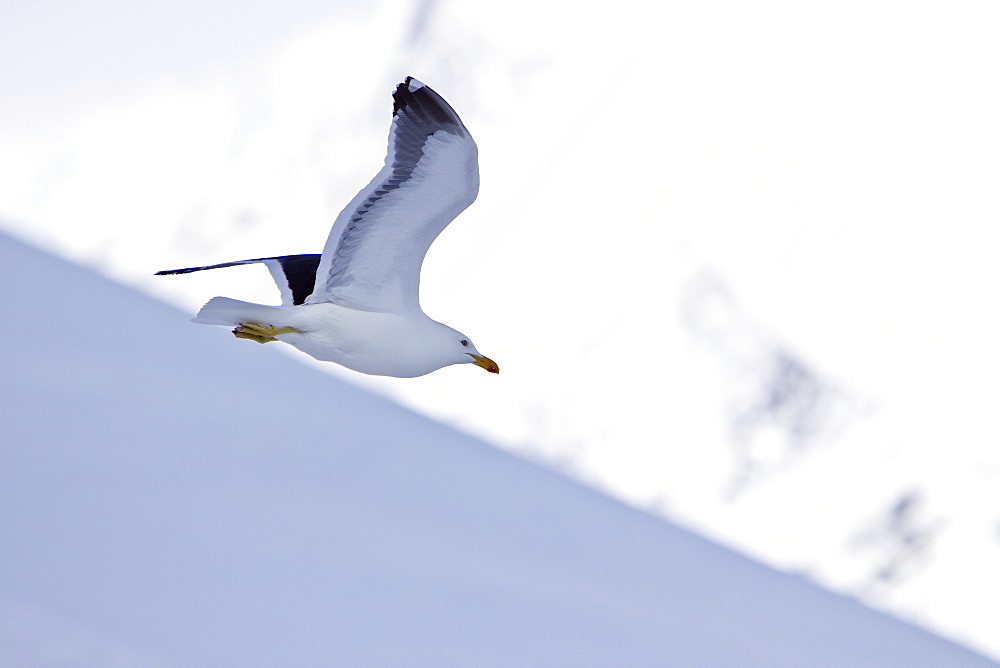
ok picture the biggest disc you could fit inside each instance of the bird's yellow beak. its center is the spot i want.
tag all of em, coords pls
(486, 363)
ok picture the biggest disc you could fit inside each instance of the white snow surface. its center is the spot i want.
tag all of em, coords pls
(170, 498)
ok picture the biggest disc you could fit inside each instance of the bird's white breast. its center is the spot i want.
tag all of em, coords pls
(378, 343)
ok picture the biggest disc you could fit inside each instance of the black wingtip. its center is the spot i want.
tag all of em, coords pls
(424, 101)
(399, 100)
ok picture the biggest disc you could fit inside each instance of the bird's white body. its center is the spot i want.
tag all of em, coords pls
(372, 342)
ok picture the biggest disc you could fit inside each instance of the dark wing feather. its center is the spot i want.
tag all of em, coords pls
(295, 275)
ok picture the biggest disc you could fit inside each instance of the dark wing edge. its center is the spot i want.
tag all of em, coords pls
(295, 275)
(427, 108)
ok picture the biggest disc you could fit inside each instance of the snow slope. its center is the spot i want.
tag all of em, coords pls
(171, 496)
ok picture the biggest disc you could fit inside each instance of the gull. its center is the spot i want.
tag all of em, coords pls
(357, 304)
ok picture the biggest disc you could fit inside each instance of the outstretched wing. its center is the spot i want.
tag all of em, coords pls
(294, 275)
(372, 258)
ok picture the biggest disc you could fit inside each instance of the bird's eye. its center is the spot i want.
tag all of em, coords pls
(464, 342)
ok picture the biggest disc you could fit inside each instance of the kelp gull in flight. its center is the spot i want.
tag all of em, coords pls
(357, 303)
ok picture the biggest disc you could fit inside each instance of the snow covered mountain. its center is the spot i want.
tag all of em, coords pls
(171, 497)
(734, 258)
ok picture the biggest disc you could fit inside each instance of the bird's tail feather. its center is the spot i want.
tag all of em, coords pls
(232, 312)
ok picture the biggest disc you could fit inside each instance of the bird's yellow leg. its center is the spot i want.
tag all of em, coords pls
(261, 333)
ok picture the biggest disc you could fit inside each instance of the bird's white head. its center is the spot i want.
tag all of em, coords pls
(460, 350)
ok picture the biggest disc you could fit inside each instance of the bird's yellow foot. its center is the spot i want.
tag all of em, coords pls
(259, 332)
